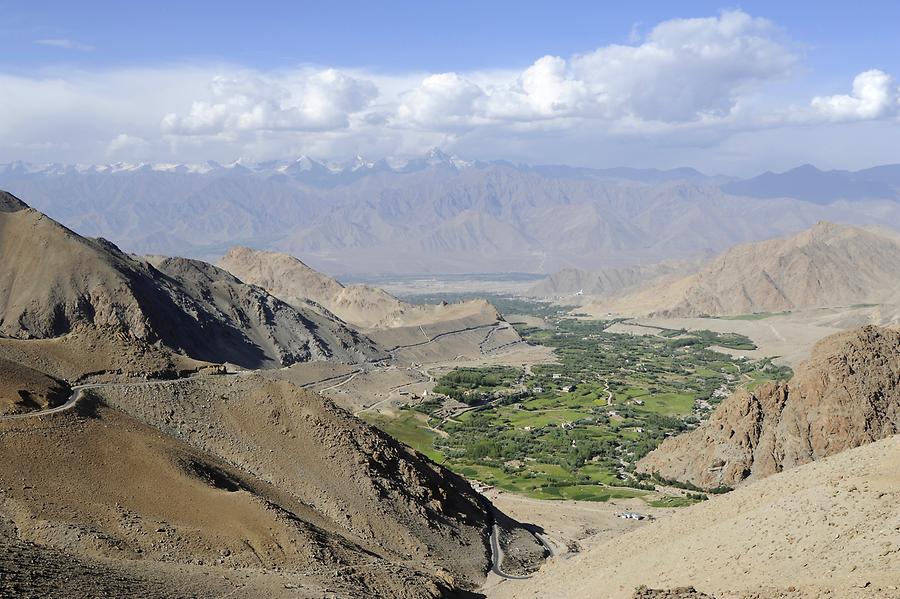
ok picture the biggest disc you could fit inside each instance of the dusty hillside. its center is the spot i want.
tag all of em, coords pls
(827, 265)
(32, 571)
(368, 485)
(607, 282)
(828, 529)
(23, 389)
(88, 353)
(241, 477)
(55, 281)
(847, 394)
(296, 283)
(187, 507)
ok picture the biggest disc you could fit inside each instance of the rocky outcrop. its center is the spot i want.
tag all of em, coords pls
(846, 395)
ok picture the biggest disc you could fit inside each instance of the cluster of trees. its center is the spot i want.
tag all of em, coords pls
(688, 486)
(482, 439)
(469, 385)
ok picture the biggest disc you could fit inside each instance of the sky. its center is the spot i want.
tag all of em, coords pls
(726, 88)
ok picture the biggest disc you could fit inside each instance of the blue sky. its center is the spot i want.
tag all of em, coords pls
(576, 82)
(842, 38)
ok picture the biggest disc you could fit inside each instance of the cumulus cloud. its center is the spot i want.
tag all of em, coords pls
(310, 101)
(875, 95)
(65, 44)
(544, 90)
(125, 144)
(444, 100)
(684, 70)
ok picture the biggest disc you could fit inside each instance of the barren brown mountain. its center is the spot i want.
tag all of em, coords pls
(847, 394)
(208, 484)
(609, 282)
(56, 281)
(236, 473)
(294, 282)
(827, 265)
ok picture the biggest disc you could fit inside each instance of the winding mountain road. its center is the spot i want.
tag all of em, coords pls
(497, 553)
(77, 392)
(497, 557)
(70, 403)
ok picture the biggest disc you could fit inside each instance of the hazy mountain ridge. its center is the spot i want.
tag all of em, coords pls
(826, 265)
(811, 184)
(492, 217)
(608, 281)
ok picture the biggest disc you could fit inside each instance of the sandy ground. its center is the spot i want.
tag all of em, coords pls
(571, 527)
(829, 529)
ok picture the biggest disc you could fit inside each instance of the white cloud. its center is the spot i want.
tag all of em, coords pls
(124, 143)
(544, 90)
(875, 95)
(65, 44)
(444, 100)
(307, 101)
(685, 70)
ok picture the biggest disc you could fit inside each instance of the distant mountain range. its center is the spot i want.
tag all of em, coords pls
(822, 187)
(329, 174)
(435, 214)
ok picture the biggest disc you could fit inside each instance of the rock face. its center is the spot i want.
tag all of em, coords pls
(292, 334)
(54, 281)
(847, 394)
(827, 265)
